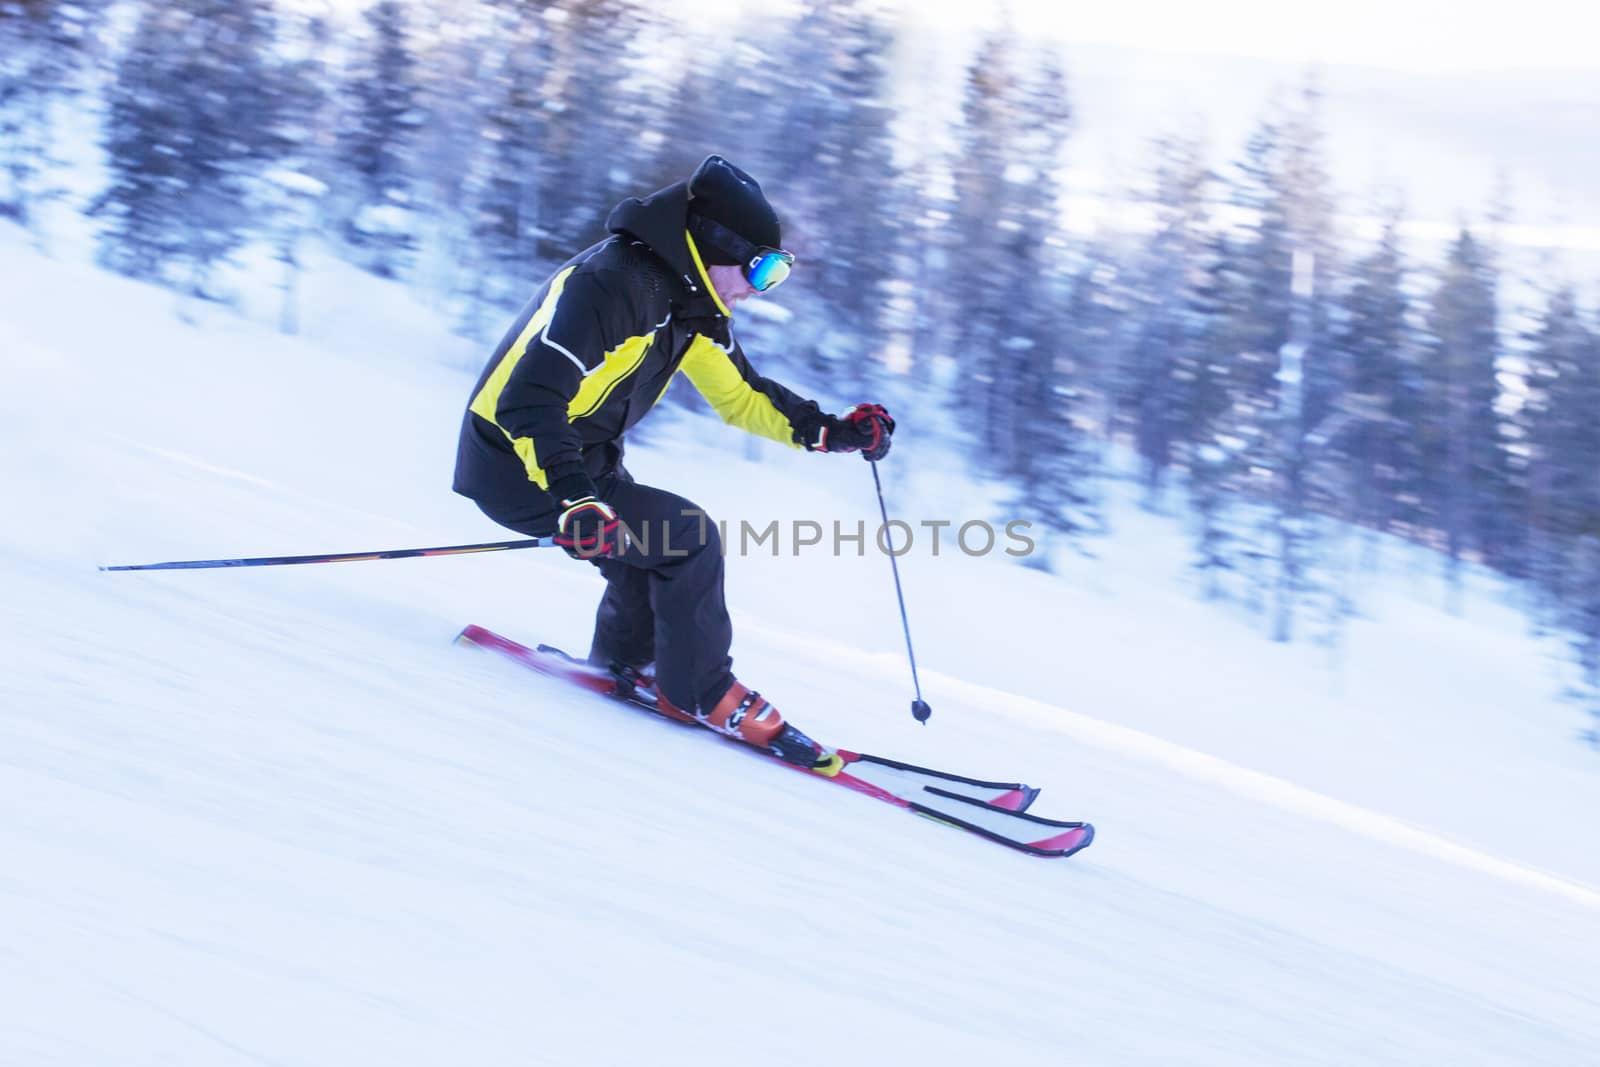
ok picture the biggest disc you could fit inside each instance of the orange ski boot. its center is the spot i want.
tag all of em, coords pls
(746, 715)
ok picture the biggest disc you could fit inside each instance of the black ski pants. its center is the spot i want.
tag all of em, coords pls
(664, 599)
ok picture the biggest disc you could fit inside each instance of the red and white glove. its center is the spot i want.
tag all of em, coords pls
(865, 428)
(589, 529)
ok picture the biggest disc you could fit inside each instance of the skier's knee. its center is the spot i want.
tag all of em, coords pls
(698, 533)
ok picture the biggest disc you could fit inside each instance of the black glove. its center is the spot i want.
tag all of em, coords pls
(865, 428)
(589, 528)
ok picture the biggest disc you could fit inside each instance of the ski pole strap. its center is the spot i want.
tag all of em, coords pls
(338, 557)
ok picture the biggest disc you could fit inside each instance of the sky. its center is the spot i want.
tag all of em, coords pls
(1417, 35)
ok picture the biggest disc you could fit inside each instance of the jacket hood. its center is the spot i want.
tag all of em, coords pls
(660, 222)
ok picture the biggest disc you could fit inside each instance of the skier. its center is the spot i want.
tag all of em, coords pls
(541, 443)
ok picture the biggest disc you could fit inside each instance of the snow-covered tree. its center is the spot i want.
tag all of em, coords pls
(840, 175)
(1166, 366)
(1225, 427)
(41, 51)
(1461, 431)
(1374, 342)
(1015, 120)
(194, 117)
(1273, 276)
(1581, 616)
(1058, 461)
(600, 98)
(377, 141)
(503, 184)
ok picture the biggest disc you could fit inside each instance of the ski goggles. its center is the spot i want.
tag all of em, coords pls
(768, 268)
(764, 267)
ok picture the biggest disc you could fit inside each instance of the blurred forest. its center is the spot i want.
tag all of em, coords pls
(1289, 392)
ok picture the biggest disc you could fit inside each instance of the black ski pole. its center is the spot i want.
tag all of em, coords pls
(919, 707)
(339, 557)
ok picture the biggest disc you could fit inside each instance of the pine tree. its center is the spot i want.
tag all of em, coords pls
(1227, 430)
(297, 187)
(1035, 409)
(1376, 345)
(844, 180)
(982, 226)
(505, 59)
(1555, 347)
(194, 119)
(1461, 431)
(1582, 617)
(1058, 461)
(1562, 436)
(1557, 443)
(1241, 491)
(737, 110)
(598, 100)
(1275, 362)
(1167, 362)
(929, 254)
(41, 50)
(1015, 123)
(378, 140)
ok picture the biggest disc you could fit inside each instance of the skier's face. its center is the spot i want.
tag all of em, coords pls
(730, 282)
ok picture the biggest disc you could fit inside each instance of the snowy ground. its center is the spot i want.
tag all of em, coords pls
(274, 817)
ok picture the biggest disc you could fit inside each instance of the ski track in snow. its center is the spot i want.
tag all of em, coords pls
(273, 817)
(1197, 765)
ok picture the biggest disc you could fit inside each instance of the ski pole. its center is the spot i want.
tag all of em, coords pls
(340, 557)
(919, 707)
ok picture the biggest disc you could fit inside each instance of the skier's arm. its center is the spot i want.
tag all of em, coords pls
(747, 400)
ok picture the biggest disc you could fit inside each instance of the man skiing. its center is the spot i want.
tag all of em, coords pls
(541, 443)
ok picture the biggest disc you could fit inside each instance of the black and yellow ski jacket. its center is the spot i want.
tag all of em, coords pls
(594, 350)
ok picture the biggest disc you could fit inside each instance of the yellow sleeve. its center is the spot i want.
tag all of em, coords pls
(742, 397)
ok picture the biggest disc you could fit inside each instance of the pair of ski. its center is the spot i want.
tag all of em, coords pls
(997, 811)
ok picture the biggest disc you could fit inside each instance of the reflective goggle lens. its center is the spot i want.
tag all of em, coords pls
(768, 269)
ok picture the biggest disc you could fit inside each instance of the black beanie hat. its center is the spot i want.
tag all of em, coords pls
(727, 195)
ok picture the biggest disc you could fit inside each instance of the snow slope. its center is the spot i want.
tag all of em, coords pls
(274, 817)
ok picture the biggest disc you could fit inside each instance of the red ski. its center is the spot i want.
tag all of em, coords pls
(993, 810)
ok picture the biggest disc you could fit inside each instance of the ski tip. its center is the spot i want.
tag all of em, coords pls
(1018, 799)
(1068, 843)
(471, 634)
